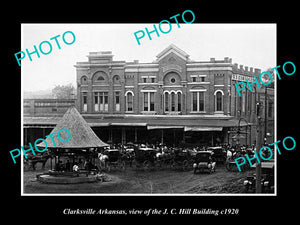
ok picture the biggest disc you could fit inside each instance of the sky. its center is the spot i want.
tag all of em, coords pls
(252, 45)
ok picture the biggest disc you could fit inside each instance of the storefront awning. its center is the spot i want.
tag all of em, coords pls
(200, 128)
(129, 124)
(98, 124)
(164, 127)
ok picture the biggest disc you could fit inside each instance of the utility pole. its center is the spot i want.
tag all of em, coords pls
(258, 147)
(266, 118)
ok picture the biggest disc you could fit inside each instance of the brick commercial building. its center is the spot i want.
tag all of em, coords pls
(172, 100)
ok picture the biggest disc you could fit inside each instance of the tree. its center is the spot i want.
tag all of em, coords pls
(63, 91)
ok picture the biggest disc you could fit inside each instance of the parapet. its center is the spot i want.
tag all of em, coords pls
(245, 70)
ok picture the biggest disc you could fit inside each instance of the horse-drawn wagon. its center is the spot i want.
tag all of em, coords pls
(115, 158)
(144, 157)
(181, 159)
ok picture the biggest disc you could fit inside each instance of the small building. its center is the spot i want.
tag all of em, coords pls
(83, 143)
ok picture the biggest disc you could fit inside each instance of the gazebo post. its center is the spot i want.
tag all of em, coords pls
(50, 159)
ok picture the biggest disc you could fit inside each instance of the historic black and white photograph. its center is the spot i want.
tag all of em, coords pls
(144, 109)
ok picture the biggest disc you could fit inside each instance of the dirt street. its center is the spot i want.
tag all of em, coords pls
(135, 181)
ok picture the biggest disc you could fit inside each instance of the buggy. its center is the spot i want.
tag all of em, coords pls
(219, 154)
(204, 161)
(115, 159)
(144, 157)
(181, 159)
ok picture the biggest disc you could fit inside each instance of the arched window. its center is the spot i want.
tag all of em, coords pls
(116, 79)
(84, 80)
(219, 101)
(129, 101)
(100, 78)
(179, 101)
(172, 101)
(166, 101)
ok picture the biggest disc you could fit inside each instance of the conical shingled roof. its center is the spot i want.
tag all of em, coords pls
(82, 135)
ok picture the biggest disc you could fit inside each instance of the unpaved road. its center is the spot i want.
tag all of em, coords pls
(134, 181)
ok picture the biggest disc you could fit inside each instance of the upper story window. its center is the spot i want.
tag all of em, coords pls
(117, 101)
(198, 78)
(116, 79)
(84, 102)
(84, 80)
(197, 101)
(101, 101)
(100, 77)
(172, 101)
(148, 103)
(129, 101)
(219, 100)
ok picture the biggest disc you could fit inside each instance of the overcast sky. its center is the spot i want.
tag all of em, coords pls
(252, 45)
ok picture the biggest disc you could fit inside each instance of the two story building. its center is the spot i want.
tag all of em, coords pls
(173, 100)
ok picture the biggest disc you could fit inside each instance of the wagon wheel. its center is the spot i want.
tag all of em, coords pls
(227, 165)
(146, 165)
(185, 165)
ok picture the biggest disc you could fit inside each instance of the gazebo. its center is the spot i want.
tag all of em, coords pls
(83, 144)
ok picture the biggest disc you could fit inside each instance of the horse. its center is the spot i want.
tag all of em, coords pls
(102, 163)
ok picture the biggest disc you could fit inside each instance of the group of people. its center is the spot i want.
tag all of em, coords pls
(74, 167)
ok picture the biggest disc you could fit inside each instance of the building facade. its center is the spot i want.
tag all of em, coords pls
(43, 107)
(173, 100)
(173, 94)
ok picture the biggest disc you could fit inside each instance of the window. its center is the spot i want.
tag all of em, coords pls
(100, 78)
(84, 101)
(195, 102)
(117, 101)
(100, 101)
(194, 79)
(179, 101)
(173, 80)
(249, 101)
(83, 80)
(219, 101)
(202, 79)
(201, 101)
(144, 80)
(148, 101)
(96, 101)
(151, 101)
(173, 101)
(105, 94)
(198, 101)
(270, 109)
(152, 80)
(243, 102)
(166, 102)
(129, 102)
